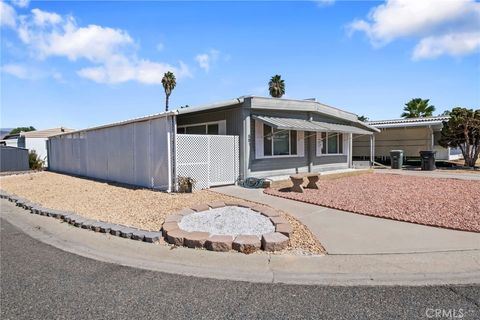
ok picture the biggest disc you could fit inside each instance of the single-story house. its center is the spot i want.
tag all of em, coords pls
(410, 135)
(214, 144)
(33, 140)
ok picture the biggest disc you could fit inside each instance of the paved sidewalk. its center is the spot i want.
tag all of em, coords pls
(343, 232)
(459, 267)
(448, 174)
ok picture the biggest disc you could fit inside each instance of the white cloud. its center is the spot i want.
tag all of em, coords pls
(456, 44)
(21, 3)
(324, 3)
(16, 70)
(143, 71)
(428, 20)
(112, 51)
(8, 16)
(205, 60)
(42, 18)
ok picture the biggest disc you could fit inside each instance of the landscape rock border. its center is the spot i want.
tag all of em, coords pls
(171, 232)
(84, 223)
(271, 242)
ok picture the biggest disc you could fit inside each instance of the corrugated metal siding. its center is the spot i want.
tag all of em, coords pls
(13, 159)
(135, 153)
(411, 140)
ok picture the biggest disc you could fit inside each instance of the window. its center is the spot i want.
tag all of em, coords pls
(329, 143)
(279, 142)
(213, 128)
(196, 129)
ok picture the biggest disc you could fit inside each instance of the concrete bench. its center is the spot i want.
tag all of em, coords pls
(297, 181)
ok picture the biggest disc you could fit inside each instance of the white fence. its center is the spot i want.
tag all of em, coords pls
(211, 160)
(136, 153)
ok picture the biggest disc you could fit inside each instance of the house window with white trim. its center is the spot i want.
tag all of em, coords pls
(329, 143)
(272, 142)
(279, 142)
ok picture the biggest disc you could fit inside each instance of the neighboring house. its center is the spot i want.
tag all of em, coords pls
(410, 135)
(214, 144)
(33, 140)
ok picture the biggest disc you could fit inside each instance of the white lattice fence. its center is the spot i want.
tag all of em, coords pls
(209, 159)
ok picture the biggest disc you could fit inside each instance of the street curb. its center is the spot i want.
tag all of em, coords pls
(451, 268)
(85, 223)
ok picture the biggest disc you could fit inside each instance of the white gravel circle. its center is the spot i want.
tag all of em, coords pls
(230, 220)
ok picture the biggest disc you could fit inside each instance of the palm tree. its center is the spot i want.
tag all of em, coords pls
(169, 82)
(418, 108)
(276, 86)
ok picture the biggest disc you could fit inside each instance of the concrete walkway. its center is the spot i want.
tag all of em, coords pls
(342, 232)
(459, 267)
(448, 174)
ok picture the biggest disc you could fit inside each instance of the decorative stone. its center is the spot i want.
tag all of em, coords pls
(96, 225)
(258, 207)
(195, 239)
(284, 228)
(216, 204)
(242, 204)
(138, 235)
(183, 212)
(270, 213)
(200, 207)
(274, 241)
(151, 237)
(105, 227)
(176, 237)
(246, 243)
(116, 230)
(173, 218)
(219, 243)
(126, 232)
(169, 226)
(278, 220)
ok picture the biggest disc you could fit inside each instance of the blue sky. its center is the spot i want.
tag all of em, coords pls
(80, 64)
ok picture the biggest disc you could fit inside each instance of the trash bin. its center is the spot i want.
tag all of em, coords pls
(428, 160)
(396, 159)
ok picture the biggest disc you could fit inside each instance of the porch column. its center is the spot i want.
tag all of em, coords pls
(311, 141)
(350, 150)
(372, 150)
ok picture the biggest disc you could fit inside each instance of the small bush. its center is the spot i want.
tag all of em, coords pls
(34, 160)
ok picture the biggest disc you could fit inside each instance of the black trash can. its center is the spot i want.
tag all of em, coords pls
(428, 160)
(396, 159)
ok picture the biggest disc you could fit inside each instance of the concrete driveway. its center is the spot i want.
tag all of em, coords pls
(343, 232)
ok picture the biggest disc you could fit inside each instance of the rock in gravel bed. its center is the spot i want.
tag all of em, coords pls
(246, 243)
(219, 243)
(195, 239)
(441, 202)
(274, 242)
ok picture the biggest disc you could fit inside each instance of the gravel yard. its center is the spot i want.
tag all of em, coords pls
(140, 208)
(448, 203)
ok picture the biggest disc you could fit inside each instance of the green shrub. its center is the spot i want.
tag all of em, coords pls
(34, 160)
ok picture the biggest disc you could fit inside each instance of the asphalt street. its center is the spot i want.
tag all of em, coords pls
(39, 281)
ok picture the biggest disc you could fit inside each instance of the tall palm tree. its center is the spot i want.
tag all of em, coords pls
(169, 82)
(418, 108)
(276, 86)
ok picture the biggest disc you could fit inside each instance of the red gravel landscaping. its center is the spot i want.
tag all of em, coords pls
(448, 203)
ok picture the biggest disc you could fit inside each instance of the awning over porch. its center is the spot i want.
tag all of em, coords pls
(306, 125)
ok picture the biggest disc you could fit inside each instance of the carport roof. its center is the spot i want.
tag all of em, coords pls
(307, 125)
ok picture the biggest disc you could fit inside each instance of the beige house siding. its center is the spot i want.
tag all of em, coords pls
(409, 139)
